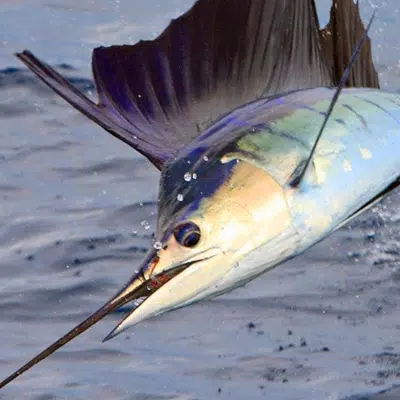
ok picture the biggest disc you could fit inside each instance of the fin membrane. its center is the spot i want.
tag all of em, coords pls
(118, 127)
(158, 95)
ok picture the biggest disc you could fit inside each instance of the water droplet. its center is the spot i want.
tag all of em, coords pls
(188, 177)
(145, 224)
(158, 245)
(180, 197)
(205, 158)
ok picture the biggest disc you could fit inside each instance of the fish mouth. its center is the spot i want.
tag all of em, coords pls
(142, 285)
(151, 284)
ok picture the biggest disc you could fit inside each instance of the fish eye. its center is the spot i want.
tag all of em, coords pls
(187, 234)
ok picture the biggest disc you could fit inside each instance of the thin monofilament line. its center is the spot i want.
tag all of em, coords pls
(297, 180)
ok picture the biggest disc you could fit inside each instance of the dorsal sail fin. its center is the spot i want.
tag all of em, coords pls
(158, 95)
(218, 56)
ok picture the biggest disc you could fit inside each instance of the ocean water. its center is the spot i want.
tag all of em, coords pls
(78, 209)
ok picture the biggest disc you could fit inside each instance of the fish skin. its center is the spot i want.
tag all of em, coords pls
(355, 160)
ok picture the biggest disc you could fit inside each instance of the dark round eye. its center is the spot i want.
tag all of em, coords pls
(187, 234)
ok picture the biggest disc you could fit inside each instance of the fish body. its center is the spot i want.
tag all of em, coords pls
(354, 162)
(230, 103)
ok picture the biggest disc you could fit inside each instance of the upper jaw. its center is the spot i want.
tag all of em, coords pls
(167, 288)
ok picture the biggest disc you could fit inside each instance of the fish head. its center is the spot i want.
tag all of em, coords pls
(213, 211)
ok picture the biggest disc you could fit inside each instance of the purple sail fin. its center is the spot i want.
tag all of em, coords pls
(159, 95)
(218, 56)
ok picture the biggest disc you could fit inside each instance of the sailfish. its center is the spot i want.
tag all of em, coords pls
(270, 132)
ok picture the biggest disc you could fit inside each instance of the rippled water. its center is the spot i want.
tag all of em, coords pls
(77, 214)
